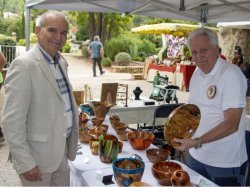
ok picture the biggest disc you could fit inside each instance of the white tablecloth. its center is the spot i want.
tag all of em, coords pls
(136, 112)
(83, 168)
(86, 161)
(93, 179)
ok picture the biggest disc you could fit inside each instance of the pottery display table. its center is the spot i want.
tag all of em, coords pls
(136, 112)
(84, 169)
(92, 178)
(86, 161)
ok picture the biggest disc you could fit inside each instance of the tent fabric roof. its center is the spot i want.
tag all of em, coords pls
(176, 29)
(237, 25)
(210, 11)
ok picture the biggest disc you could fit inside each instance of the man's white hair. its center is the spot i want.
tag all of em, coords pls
(203, 32)
(40, 20)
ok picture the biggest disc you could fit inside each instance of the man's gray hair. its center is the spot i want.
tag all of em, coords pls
(203, 32)
(96, 38)
(40, 21)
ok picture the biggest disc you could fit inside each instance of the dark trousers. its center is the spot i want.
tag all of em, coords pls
(247, 182)
(220, 176)
(98, 61)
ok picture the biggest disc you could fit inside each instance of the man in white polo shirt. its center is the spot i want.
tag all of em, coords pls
(217, 149)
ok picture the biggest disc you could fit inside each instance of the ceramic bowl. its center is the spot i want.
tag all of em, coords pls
(83, 117)
(140, 140)
(114, 118)
(98, 131)
(127, 170)
(120, 126)
(163, 171)
(93, 145)
(122, 135)
(180, 178)
(96, 121)
(139, 184)
(84, 136)
(157, 155)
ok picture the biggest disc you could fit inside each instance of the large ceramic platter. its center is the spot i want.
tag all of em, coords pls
(182, 123)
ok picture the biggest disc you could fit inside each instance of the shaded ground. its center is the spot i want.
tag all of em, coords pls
(80, 73)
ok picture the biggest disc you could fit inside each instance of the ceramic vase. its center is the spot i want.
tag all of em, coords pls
(108, 148)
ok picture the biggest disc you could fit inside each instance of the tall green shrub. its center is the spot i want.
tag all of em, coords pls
(146, 48)
(120, 44)
(138, 48)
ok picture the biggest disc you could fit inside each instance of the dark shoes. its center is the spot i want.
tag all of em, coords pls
(1, 135)
(100, 73)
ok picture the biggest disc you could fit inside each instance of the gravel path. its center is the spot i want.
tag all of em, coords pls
(80, 73)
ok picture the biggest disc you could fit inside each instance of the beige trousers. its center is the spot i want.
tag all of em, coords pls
(60, 177)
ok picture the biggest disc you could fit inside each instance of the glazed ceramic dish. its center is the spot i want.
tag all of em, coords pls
(157, 155)
(120, 126)
(163, 171)
(140, 140)
(182, 123)
(180, 178)
(127, 170)
(101, 109)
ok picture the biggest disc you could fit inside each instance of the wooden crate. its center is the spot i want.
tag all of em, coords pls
(79, 97)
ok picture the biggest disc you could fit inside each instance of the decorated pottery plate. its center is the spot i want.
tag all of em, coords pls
(182, 123)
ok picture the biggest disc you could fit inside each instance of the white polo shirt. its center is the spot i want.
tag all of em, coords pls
(231, 87)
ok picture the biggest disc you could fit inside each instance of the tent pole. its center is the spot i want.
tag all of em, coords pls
(27, 28)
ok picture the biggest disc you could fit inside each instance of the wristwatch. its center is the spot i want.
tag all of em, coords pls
(198, 143)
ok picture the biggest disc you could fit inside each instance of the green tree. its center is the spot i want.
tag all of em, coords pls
(106, 25)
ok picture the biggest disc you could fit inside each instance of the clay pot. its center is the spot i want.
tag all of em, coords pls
(163, 171)
(127, 170)
(108, 148)
(140, 140)
(120, 126)
(114, 118)
(83, 117)
(180, 178)
(122, 135)
(98, 131)
(84, 136)
(157, 155)
(101, 109)
(93, 144)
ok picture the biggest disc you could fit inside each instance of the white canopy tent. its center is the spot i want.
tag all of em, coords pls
(204, 11)
(237, 25)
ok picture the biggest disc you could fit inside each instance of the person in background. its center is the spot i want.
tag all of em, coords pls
(217, 150)
(238, 57)
(40, 115)
(2, 63)
(221, 55)
(97, 54)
